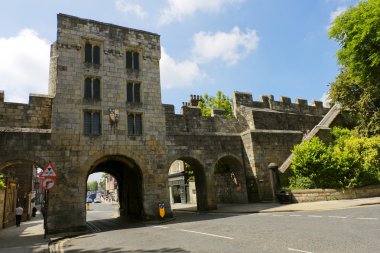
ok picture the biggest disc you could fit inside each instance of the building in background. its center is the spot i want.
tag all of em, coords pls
(111, 189)
(181, 188)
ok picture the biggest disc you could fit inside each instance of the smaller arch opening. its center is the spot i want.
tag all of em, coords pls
(187, 184)
(229, 181)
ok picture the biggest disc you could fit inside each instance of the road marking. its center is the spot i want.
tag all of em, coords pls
(160, 227)
(277, 215)
(196, 232)
(367, 218)
(295, 215)
(297, 250)
(259, 214)
(315, 216)
(338, 217)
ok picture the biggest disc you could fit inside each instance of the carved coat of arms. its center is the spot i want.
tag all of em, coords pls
(114, 115)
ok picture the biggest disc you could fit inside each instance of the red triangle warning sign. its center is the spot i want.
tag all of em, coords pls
(49, 171)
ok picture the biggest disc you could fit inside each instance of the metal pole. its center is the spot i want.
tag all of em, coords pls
(45, 212)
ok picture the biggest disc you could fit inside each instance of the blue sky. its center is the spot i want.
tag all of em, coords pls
(277, 47)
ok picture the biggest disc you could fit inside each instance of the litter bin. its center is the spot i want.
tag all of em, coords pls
(284, 197)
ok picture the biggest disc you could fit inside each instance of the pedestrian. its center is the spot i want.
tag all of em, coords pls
(19, 211)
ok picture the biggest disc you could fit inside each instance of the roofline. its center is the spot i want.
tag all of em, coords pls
(108, 24)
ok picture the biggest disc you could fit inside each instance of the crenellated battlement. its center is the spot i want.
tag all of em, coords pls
(35, 114)
(284, 104)
(191, 120)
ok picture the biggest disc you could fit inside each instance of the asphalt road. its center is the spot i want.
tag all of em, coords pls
(345, 230)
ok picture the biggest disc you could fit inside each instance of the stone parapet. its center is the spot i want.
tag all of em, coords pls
(191, 120)
(35, 114)
(311, 195)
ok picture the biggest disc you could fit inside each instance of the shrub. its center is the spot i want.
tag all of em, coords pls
(313, 161)
(347, 162)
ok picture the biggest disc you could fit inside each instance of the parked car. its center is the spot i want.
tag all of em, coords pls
(89, 200)
(97, 200)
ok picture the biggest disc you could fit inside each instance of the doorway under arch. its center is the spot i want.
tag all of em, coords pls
(22, 188)
(187, 183)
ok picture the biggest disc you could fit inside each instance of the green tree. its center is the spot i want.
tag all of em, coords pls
(357, 87)
(2, 184)
(103, 181)
(92, 186)
(221, 101)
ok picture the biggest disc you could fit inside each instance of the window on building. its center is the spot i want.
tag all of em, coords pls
(134, 123)
(92, 123)
(92, 88)
(133, 92)
(91, 53)
(132, 59)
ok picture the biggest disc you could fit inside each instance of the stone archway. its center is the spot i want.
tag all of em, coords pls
(230, 181)
(199, 177)
(129, 180)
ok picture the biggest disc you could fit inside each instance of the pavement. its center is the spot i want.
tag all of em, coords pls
(29, 237)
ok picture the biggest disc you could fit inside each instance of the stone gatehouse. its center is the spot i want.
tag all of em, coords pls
(104, 113)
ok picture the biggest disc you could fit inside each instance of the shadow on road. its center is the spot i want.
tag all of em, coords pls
(117, 250)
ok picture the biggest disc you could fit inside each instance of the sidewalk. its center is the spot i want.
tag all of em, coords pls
(268, 207)
(29, 237)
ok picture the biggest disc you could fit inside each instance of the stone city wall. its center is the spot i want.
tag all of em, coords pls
(36, 114)
(191, 120)
(284, 105)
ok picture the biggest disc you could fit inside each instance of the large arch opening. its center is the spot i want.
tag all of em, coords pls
(229, 178)
(119, 190)
(187, 184)
(22, 188)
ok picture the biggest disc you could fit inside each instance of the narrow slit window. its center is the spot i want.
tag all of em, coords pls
(96, 55)
(96, 89)
(129, 92)
(87, 88)
(88, 53)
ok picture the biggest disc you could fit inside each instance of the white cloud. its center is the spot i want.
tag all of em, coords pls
(178, 9)
(326, 99)
(229, 47)
(178, 74)
(337, 12)
(133, 8)
(24, 66)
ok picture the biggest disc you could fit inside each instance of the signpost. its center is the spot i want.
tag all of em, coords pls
(47, 175)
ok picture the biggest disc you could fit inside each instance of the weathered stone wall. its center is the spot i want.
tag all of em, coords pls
(265, 147)
(36, 114)
(311, 195)
(82, 152)
(284, 105)
(191, 120)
